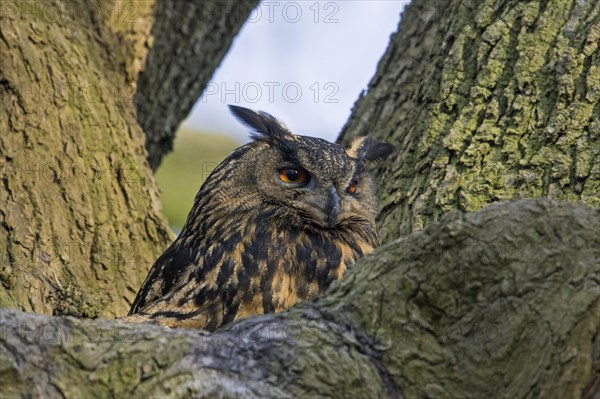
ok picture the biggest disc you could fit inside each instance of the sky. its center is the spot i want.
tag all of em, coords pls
(305, 62)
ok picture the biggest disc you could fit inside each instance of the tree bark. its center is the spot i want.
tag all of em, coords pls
(80, 220)
(487, 101)
(501, 303)
(190, 40)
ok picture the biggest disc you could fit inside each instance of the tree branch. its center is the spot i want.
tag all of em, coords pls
(500, 303)
(189, 41)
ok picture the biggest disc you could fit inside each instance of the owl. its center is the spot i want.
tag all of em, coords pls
(275, 223)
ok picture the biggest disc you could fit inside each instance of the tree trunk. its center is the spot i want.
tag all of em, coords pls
(190, 40)
(486, 101)
(502, 303)
(80, 221)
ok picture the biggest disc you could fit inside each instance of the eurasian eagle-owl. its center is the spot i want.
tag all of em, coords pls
(275, 223)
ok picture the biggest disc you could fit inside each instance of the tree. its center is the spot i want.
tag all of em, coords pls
(80, 218)
(499, 303)
(487, 102)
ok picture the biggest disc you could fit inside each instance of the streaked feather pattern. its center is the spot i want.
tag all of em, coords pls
(254, 245)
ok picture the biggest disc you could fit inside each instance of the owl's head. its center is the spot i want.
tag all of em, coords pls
(306, 181)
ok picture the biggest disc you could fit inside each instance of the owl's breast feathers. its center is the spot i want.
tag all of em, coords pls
(246, 266)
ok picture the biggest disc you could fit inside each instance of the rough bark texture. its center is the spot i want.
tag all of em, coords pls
(502, 303)
(80, 220)
(189, 41)
(488, 100)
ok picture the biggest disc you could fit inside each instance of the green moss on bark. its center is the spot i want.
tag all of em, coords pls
(80, 222)
(501, 102)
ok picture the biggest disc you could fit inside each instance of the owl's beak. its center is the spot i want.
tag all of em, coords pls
(332, 207)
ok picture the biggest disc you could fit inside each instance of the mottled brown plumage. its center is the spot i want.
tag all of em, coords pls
(275, 223)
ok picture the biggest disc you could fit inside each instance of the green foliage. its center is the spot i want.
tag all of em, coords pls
(182, 172)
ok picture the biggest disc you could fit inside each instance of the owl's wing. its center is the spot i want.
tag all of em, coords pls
(182, 258)
(182, 295)
(209, 316)
(170, 270)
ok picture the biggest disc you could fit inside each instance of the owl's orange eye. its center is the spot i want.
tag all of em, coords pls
(292, 174)
(352, 187)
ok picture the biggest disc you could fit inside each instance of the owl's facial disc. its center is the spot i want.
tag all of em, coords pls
(317, 202)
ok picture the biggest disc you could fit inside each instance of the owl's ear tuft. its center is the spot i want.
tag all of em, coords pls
(263, 126)
(378, 150)
(369, 149)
